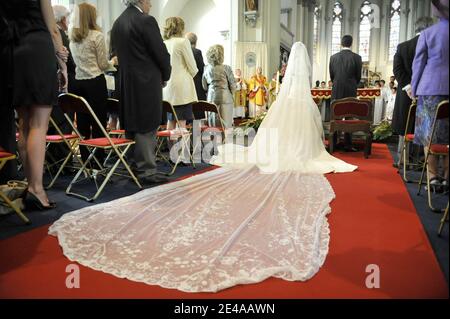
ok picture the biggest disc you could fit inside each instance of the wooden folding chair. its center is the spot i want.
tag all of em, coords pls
(178, 134)
(4, 158)
(434, 150)
(408, 140)
(120, 146)
(351, 115)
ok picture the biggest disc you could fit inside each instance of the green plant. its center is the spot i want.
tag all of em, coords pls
(253, 123)
(383, 131)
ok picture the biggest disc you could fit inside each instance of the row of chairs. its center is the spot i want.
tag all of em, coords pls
(114, 143)
(442, 113)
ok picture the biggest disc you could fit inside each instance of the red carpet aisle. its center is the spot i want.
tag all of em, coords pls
(373, 222)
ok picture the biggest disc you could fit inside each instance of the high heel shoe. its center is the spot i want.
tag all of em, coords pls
(32, 202)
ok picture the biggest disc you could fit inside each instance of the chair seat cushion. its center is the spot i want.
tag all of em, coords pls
(212, 128)
(58, 138)
(4, 155)
(172, 133)
(104, 142)
(439, 149)
(410, 137)
(118, 132)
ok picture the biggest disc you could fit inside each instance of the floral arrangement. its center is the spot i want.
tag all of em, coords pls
(383, 131)
(253, 123)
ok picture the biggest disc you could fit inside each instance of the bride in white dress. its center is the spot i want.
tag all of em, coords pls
(208, 233)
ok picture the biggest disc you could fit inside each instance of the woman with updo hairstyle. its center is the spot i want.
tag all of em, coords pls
(180, 89)
(219, 80)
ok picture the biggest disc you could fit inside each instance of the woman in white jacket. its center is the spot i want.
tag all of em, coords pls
(180, 90)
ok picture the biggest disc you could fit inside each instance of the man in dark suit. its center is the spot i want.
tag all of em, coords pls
(403, 61)
(345, 73)
(201, 94)
(144, 70)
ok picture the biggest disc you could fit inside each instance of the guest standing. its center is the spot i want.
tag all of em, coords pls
(62, 15)
(198, 56)
(180, 90)
(403, 61)
(346, 73)
(219, 80)
(430, 85)
(91, 59)
(144, 68)
(37, 51)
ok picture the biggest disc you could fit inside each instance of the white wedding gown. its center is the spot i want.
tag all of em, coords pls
(257, 217)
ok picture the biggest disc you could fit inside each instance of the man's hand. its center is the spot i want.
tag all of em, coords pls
(409, 92)
(114, 61)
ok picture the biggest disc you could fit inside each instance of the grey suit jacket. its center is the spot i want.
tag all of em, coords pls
(220, 83)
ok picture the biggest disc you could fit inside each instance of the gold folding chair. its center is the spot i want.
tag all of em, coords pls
(71, 141)
(443, 221)
(434, 150)
(120, 146)
(408, 139)
(4, 158)
(174, 135)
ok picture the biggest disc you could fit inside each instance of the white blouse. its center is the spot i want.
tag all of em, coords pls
(90, 56)
(180, 89)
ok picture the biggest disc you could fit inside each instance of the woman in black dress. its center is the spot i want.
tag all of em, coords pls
(36, 52)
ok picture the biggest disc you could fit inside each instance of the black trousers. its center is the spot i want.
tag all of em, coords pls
(96, 94)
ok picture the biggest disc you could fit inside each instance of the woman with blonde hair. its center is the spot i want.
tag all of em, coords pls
(180, 90)
(219, 80)
(89, 52)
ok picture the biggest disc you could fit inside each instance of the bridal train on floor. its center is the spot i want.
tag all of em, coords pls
(254, 218)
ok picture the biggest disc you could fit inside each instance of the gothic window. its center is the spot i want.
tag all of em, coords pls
(365, 27)
(337, 27)
(316, 33)
(394, 31)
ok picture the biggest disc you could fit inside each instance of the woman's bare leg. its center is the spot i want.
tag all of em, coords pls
(37, 124)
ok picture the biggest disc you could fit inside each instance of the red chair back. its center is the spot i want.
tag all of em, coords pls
(351, 108)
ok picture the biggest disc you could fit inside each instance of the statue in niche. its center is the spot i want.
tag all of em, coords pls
(251, 5)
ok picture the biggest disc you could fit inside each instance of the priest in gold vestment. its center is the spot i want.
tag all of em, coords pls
(258, 94)
(240, 96)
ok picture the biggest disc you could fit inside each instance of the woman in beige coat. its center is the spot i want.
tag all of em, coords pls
(180, 90)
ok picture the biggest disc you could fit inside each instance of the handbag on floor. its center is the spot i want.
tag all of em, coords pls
(14, 191)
